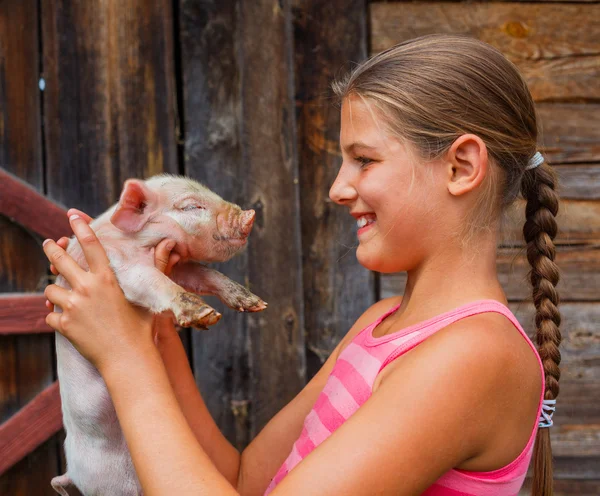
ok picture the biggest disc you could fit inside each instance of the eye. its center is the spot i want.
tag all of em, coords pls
(192, 206)
(363, 160)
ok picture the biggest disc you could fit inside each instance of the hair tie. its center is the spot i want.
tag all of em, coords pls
(535, 161)
(546, 413)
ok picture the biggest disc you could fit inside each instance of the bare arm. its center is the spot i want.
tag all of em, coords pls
(223, 454)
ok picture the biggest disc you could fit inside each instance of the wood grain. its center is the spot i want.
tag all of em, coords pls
(31, 426)
(23, 204)
(277, 355)
(25, 361)
(23, 314)
(554, 46)
(569, 132)
(337, 289)
(110, 98)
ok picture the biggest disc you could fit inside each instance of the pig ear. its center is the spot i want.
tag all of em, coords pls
(136, 204)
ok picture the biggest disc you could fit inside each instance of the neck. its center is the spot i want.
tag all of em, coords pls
(449, 278)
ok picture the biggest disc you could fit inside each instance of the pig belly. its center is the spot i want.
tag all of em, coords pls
(100, 467)
(98, 461)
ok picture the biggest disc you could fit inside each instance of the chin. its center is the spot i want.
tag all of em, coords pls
(375, 261)
(371, 261)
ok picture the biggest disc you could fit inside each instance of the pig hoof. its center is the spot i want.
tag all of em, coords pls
(207, 316)
(202, 318)
(255, 305)
(194, 312)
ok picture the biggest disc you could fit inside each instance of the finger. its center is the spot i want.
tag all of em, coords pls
(161, 254)
(63, 263)
(83, 215)
(57, 295)
(92, 249)
(63, 243)
(173, 259)
(53, 320)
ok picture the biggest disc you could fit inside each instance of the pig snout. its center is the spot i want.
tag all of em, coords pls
(235, 225)
(246, 222)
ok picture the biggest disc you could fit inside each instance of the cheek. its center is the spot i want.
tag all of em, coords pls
(192, 223)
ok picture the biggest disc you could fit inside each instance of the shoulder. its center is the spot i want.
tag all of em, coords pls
(487, 338)
(489, 370)
(370, 315)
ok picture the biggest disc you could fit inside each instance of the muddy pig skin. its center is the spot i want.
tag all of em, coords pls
(206, 229)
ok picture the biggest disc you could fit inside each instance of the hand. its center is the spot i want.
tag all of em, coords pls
(95, 317)
(164, 261)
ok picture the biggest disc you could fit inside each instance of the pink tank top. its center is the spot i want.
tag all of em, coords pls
(350, 384)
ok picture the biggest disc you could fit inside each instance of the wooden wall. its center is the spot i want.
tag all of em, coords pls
(236, 94)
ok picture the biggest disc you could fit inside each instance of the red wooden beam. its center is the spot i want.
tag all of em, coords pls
(26, 206)
(30, 427)
(23, 313)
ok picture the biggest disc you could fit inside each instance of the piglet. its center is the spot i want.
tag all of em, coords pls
(206, 229)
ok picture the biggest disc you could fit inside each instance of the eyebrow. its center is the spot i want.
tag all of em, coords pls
(358, 144)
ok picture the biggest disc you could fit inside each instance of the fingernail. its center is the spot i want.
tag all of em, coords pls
(170, 245)
(73, 217)
(46, 241)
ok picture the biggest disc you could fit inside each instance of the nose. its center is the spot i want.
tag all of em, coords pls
(342, 190)
(246, 222)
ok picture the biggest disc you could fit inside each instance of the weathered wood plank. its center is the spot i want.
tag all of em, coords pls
(24, 205)
(578, 181)
(277, 357)
(209, 34)
(23, 314)
(554, 46)
(578, 223)
(324, 42)
(26, 360)
(579, 266)
(570, 133)
(110, 85)
(31, 426)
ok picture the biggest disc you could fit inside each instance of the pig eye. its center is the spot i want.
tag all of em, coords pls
(192, 206)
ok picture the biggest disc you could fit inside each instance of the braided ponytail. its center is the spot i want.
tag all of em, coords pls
(538, 187)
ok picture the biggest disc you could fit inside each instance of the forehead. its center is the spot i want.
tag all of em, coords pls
(362, 126)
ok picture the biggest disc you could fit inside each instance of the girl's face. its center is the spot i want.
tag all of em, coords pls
(395, 221)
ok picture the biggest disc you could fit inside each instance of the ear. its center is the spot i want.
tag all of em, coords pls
(136, 204)
(468, 162)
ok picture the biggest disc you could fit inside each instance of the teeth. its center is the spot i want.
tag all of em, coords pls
(363, 221)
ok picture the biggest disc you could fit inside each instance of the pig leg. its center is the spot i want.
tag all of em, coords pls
(150, 288)
(202, 280)
(64, 486)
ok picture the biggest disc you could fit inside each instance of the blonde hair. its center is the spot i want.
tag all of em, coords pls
(433, 89)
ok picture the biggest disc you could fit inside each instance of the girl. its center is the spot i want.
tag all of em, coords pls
(439, 392)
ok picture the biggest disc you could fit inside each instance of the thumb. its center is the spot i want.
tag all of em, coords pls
(161, 254)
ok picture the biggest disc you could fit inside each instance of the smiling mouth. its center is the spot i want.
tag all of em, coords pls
(365, 220)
